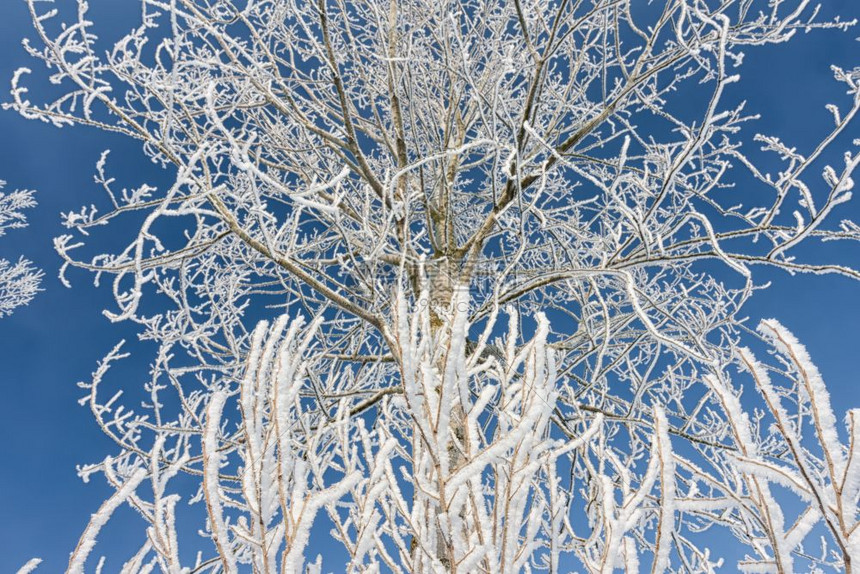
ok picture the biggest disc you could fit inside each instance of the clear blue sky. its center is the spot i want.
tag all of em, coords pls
(56, 341)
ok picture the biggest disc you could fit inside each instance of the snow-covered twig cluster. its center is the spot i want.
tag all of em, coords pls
(814, 464)
(411, 491)
(19, 281)
(499, 492)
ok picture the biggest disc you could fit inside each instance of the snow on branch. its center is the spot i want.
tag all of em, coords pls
(824, 475)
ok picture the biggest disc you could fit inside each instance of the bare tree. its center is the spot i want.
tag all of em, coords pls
(401, 175)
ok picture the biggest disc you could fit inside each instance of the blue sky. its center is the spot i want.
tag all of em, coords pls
(55, 342)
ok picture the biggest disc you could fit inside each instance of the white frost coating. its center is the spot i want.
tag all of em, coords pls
(100, 518)
(737, 417)
(304, 513)
(30, 566)
(801, 527)
(211, 470)
(135, 564)
(776, 474)
(631, 556)
(666, 525)
(851, 480)
(825, 421)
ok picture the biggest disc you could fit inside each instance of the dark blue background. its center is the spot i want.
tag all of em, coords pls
(55, 342)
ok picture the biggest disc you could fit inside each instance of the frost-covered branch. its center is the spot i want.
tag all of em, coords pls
(19, 281)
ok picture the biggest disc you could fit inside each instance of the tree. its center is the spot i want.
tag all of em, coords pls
(382, 183)
(19, 282)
